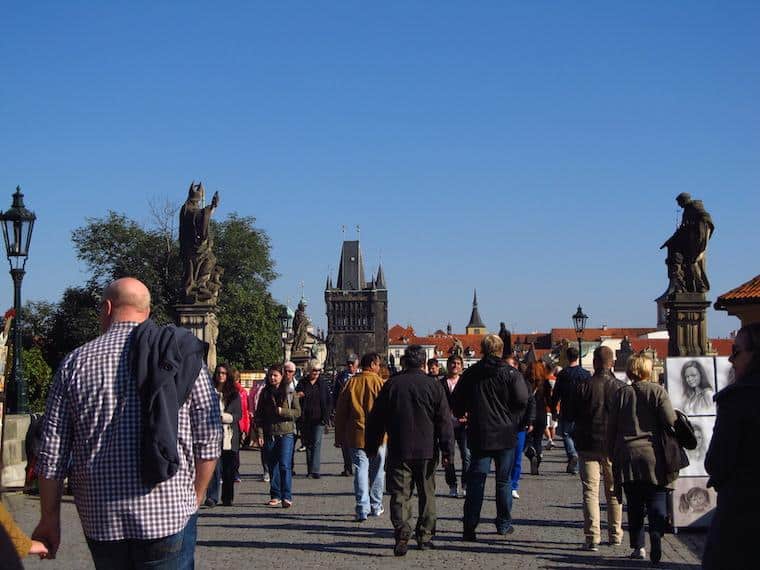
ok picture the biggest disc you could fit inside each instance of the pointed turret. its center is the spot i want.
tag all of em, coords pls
(475, 326)
(328, 285)
(380, 281)
(351, 270)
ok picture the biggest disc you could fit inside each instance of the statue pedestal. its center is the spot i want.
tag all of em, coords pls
(300, 358)
(687, 324)
(202, 321)
(14, 451)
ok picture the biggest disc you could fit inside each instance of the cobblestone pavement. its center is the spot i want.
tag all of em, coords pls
(319, 530)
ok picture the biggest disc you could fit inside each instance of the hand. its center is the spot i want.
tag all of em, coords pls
(462, 420)
(530, 429)
(445, 460)
(260, 441)
(38, 548)
(48, 533)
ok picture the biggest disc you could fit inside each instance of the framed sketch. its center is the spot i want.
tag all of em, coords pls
(691, 384)
(703, 429)
(693, 503)
(724, 372)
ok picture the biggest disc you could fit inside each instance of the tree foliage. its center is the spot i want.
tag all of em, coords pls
(116, 246)
(39, 376)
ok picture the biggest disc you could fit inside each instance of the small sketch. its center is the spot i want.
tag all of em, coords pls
(691, 385)
(693, 502)
(724, 372)
(703, 429)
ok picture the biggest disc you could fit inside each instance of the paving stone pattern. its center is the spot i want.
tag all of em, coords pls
(319, 531)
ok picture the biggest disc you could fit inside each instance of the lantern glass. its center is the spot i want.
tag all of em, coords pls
(579, 321)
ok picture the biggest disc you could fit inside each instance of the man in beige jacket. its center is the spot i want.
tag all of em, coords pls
(354, 405)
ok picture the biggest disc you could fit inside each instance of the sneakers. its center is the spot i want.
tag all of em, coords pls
(360, 517)
(273, 503)
(572, 465)
(377, 512)
(509, 530)
(591, 546)
(515, 494)
(534, 461)
(210, 503)
(549, 445)
(302, 448)
(638, 554)
(237, 478)
(655, 543)
(286, 504)
(265, 477)
(453, 493)
(402, 547)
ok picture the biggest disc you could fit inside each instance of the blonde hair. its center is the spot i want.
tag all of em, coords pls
(639, 368)
(492, 345)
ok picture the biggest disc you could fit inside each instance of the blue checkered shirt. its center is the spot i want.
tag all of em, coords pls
(93, 420)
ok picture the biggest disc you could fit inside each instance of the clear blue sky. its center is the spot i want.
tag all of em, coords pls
(531, 150)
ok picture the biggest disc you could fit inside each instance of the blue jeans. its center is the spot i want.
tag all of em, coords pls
(517, 468)
(216, 481)
(167, 553)
(566, 430)
(480, 465)
(311, 435)
(460, 435)
(190, 535)
(279, 452)
(369, 480)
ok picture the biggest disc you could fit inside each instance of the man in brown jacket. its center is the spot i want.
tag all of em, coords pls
(354, 405)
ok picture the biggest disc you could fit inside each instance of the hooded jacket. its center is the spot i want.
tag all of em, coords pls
(494, 395)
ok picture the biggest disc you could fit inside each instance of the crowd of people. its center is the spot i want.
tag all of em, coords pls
(145, 436)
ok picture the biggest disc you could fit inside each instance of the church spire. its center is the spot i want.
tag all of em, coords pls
(475, 326)
(380, 281)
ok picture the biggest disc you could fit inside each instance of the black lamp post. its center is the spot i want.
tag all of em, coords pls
(18, 223)
(285, 322)
(579, 321)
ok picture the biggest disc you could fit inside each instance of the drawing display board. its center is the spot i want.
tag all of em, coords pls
(724, 373)
(703, 429)
(691, 384)
(693, 503)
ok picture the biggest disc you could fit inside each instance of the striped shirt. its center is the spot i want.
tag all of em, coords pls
(93, 422)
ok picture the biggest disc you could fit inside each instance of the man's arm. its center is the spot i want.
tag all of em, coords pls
(206, 427)
(204, 470)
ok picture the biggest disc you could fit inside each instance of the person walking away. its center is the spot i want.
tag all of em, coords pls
(245, 421)
(454, 366)
(565, 388)
(354, 405)
(637, 419)
(352, 367)
(589, 408)
(231, 412)
(526, 428)
(135, 414)
(276, 413)
(536, 375)
(316, 407)
(551, 416)
(490, 394)
(412, 409)
(732, 463)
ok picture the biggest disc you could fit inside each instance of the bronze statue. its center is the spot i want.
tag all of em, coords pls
(200, 280)
(687, 247)
(300, 324)
(506, 338)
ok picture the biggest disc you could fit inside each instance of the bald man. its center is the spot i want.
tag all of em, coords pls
(94, 433)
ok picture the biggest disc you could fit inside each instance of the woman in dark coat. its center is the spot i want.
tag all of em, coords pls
(733, 463)
(232, 411)
(635, 426)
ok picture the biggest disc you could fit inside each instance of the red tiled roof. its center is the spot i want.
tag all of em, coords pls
(444, 344)
(397, 332)
(748, 292)
(596, 334)
(722, 345)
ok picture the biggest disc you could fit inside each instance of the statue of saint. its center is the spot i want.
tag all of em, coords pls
(506, 338)
(458, 348)
(300, 324)
(195, 246)
(687, 247)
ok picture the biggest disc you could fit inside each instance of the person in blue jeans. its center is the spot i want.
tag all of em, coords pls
(316, 407)
(490, 393)
(276, 413)
(562, 397)
(526, 427)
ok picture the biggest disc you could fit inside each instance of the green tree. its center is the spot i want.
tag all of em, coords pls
(38, 375)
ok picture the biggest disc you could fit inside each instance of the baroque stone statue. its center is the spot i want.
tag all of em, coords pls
(458, 348)
(300, 326)
(506, 338)
(687, 248)
(201, 278)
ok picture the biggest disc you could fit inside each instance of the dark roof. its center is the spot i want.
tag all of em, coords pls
(351, 271)
(475, 320)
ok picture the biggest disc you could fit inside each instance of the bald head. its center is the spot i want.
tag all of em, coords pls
(125, 299)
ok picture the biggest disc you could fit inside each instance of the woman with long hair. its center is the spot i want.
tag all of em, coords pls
(637, 419)
(697, 389)
(277, 410)
(536, 374)
(232, 411)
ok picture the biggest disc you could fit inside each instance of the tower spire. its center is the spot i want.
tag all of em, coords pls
(475, 326)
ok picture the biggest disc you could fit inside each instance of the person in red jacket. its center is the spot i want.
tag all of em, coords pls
(245, 420)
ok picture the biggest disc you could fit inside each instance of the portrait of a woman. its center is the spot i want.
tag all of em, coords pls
(697, 389)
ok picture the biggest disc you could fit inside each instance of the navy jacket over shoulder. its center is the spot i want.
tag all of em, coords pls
(166, 362)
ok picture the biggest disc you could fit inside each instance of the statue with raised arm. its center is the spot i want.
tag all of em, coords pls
(199, 278)
(687, 248)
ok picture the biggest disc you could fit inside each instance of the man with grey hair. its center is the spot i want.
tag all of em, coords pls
(412, 409)
(133, 420)
(493, 395)
(316, 407)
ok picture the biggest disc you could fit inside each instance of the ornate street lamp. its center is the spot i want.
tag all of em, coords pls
(285, 321)
(579, 322)
(18, 223)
